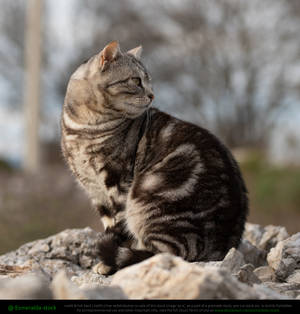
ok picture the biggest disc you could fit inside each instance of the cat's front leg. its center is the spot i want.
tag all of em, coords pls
(115, 252)
(113, 237)
(111, 240)
(108, 248)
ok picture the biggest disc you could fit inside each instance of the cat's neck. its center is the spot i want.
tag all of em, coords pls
(118, 135)
(120, 144)
(86, 121)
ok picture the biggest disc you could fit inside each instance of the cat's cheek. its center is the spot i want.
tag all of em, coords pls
(100, 99)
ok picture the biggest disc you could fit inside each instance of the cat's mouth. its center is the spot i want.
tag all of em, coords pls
(143, 106)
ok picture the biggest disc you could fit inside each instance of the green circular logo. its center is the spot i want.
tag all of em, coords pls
(10, 308)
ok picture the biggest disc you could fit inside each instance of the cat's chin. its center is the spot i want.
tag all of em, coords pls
(141, 106)
(135, 110)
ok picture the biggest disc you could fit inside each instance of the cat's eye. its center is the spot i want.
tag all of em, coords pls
(137, 81)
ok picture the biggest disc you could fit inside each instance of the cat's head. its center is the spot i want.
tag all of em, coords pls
(113, 83)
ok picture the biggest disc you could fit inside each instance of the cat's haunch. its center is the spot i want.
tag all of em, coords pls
(159, 184)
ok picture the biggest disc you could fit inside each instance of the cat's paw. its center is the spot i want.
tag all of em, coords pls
(102, 269)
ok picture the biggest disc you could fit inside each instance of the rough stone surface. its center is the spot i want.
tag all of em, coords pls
(264, 237)
(60, 267)
(12, 271)
(265, 273)
(209, 264)
(294, 277)
(267, 293)
(233, 261)
(271, 236)
(88, 278)
(252, 254)
(29, 286)
(246, 275)
(71, 250)
(291, 290)
(285, 257)
(63, 288)
(253, 233)
(165, 276)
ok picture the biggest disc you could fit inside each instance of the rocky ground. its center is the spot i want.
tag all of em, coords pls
(265, 266)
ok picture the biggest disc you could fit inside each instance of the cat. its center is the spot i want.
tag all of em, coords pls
(159, 184)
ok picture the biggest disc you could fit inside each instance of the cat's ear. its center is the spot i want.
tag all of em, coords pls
(136, 52)
(110, 53)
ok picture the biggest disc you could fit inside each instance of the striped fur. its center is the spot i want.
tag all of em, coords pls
(159, 184)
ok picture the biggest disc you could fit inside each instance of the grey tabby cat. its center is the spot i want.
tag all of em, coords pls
(160, 184)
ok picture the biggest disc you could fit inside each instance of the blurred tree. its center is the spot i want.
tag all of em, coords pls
(237, 54)
(231, 65)
(228, 60)
(32, 85)
(12, 22)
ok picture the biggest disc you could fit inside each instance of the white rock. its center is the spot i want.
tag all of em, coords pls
(72, 250)
(274, 257)
(264, 237)
(272, 235)
(209, 264)
(285, 257)
(63, 288)
(294, 277)
(252, 254)
(265, 273)
(165, 276)
(92, 279)
(25, 287)
(290, 290)
(246, 275)
(266, 293)
(39, 247)
(233, 261)
(253, 233)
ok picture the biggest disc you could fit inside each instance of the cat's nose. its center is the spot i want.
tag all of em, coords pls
(151, 96)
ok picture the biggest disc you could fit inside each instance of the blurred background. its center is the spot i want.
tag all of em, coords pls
(232, 66)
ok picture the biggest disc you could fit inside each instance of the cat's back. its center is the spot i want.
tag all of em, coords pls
(174, 155)
(166, 135)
